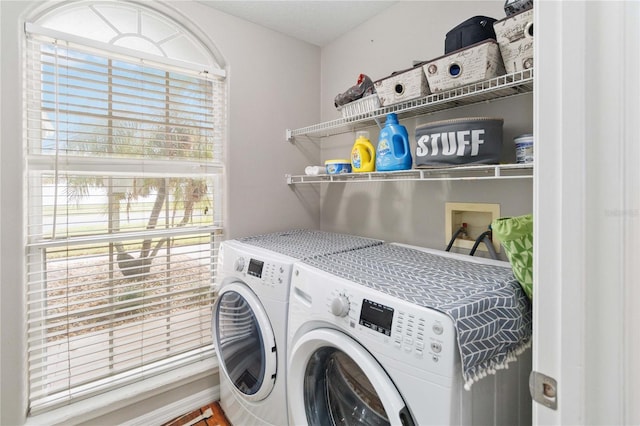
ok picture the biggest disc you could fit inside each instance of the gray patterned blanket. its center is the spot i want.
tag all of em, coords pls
(491, 313)
(306, 243)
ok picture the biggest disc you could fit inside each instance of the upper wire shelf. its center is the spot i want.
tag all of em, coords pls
(499, 87)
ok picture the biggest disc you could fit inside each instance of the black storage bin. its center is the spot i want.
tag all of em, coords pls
(471, 31)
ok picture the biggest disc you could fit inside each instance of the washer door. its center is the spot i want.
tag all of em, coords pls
(333, 380)
(244, 341)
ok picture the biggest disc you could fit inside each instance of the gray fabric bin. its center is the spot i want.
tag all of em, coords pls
(474, 140)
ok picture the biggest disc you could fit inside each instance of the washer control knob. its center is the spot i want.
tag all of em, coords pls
(239, 264)
(340, 306)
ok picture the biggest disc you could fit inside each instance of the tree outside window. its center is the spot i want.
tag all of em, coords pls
(124, 169)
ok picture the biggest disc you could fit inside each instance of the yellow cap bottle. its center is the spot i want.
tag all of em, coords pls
(363, 154)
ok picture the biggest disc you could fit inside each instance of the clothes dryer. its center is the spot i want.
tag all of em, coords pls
(371, 340)
(250, 315)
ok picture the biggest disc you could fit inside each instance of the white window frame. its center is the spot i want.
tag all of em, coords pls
(205, 365)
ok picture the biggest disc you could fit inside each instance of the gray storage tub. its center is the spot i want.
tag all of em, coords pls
(474, 140)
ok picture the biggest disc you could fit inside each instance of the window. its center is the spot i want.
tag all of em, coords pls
(124, 181)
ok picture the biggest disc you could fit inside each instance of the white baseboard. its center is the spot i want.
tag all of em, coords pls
(136, 404)
(176, 408)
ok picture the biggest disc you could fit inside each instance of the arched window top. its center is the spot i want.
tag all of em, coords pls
(124, 128)
(132, 26)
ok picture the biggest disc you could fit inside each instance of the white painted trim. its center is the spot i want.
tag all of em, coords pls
(177, 408)
(631, 210)
(559, 200)
(587, 210)
(84, 411)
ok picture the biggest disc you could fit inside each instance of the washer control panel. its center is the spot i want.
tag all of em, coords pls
(376, 316)
(267, 273)
(415, 334)
(398, 328)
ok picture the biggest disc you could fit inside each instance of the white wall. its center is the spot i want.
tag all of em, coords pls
(274, 83)
(12, 362)
(412, 212)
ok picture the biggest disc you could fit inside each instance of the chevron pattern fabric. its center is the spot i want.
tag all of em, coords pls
(308, 243)
(490, 311)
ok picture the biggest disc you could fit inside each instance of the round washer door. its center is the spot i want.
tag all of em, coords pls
(333, 380)
(244, 341)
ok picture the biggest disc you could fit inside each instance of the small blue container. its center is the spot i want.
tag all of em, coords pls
(335, 167)
(524, 148)
(394, 151)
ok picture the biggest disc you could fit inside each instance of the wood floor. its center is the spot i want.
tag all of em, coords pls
(209, 415)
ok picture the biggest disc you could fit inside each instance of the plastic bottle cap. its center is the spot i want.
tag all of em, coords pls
(362, 134)
(392, 118)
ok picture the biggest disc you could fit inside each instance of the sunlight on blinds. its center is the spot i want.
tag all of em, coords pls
(125, 169)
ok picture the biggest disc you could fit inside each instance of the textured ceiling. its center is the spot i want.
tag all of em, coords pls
(316, 22)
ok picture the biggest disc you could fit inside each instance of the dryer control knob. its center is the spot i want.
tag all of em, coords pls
(340, 306)
(239, 264)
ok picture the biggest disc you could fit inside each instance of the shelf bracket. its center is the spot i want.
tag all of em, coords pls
(377, 120)
(289, 136)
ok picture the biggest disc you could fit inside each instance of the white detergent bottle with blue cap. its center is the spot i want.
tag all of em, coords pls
(394, 151)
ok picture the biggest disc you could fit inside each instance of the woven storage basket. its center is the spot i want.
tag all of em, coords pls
(361, 106)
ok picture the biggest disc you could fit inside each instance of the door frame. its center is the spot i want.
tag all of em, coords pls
(587, 210)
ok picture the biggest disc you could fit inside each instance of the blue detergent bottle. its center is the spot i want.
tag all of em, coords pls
(394, 151)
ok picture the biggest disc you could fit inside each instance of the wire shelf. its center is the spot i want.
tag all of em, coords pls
(476, 172)
(496, 88)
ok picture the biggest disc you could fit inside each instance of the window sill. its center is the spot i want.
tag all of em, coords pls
(118, 399)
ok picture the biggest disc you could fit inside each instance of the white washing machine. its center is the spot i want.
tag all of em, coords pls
(250, 316)
(363, 348)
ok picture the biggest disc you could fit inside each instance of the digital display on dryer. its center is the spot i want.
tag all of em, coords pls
(376, 316)
(255, 268)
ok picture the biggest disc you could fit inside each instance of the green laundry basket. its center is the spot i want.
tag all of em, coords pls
(516, 235)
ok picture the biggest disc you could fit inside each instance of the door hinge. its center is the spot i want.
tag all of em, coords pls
(543, 390)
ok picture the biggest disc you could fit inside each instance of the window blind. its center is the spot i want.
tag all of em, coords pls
(124, 192)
